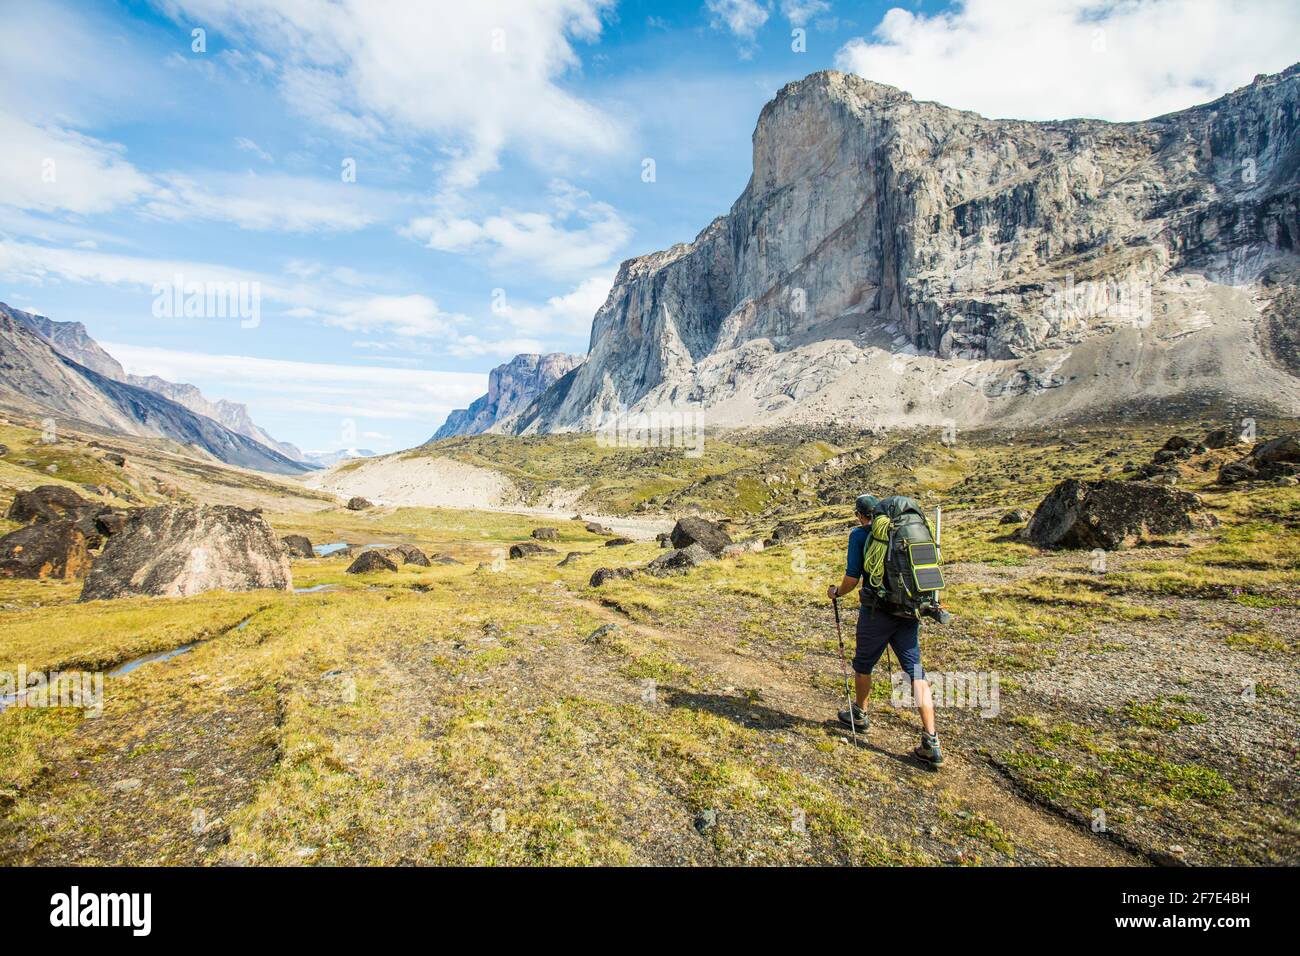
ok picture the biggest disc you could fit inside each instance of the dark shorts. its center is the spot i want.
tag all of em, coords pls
(878, 629)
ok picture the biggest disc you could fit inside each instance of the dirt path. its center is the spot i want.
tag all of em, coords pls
(965, 779)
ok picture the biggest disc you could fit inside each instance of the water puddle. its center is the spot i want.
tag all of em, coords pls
(151, 658)
(325, 550)
(317, 589)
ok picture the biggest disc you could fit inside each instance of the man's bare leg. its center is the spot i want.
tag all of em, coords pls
(924, 703)
(862, 684)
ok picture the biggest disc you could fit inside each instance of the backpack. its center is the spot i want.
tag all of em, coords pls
(912, 577)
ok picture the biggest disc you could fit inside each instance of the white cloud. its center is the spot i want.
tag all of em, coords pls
(249, 146)
(575, 234)
(562, 316)
(346, 391)
(742, 17)
(50, 169)
(1062, 58)
(799, 12)
(484, 75)
(274, 203)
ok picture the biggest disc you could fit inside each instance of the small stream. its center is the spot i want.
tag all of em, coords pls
(7, 700)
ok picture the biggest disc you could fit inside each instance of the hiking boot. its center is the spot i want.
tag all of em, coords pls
(929, 750)
(859, 718)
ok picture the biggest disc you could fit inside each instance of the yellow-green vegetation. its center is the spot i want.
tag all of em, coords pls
(498, 711)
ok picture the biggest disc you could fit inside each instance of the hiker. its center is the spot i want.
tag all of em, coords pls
(881, 624)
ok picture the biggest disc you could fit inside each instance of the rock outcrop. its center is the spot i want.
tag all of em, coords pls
(512, 387)
(1112, 514)
(371, 560)
(915, 264)
(1278, 458)
(695, 530)
(170, 551)
(47, 549)
(298, 546)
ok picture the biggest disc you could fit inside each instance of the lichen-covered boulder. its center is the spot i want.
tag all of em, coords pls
(298, 546)
(546, 534)
(1112, 514)
(407, 554)
(46, 549)
(45, 503)
(359, 504)
(526, 549)
(695, 530)
(371, 560)
(172, 551)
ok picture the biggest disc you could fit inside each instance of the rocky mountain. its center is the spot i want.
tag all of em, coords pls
(37, 378)
(899, 262)
(72, 340)
(511, 388)
(234, 415)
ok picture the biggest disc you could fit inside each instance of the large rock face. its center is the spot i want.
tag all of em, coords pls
(175, 552)
(1111, 514)
(900, 262)
(511, 388)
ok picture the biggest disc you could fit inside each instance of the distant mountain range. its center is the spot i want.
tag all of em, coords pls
(57, 369)
(512, 387)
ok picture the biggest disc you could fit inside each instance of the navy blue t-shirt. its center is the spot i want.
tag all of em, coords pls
(858, 538)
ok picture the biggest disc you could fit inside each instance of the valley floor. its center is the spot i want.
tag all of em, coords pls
(506, 712)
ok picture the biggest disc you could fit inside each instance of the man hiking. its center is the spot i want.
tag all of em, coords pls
(881, 624)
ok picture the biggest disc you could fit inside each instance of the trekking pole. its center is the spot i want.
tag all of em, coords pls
(844, 671)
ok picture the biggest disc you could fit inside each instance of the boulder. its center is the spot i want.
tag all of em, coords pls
(44, 503)
(4, 449)
(1015, 516)
(358, 504)
(1219, 438)
(443, 559)
(784, 532)
(569, 559)
(113, 458)
(1111, 514)
(1177, 443)
(546, 534)
(407, 554)
(665, 539)
(525, 549)
(298, 546)
(596, 527)
(695, 530)
(371, 560)
(173, 551)
(1278, 450)
(602, 575)
(46, 549)
(618, 542)
(679, 560)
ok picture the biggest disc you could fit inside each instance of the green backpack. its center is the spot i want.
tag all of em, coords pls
(912, 578)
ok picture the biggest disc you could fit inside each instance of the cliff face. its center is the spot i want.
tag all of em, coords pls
(512, 387)
(905, 262)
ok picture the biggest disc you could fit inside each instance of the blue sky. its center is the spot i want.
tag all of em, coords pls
(499, 149)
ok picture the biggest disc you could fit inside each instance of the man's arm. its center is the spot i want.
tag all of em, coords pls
(844, 587)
